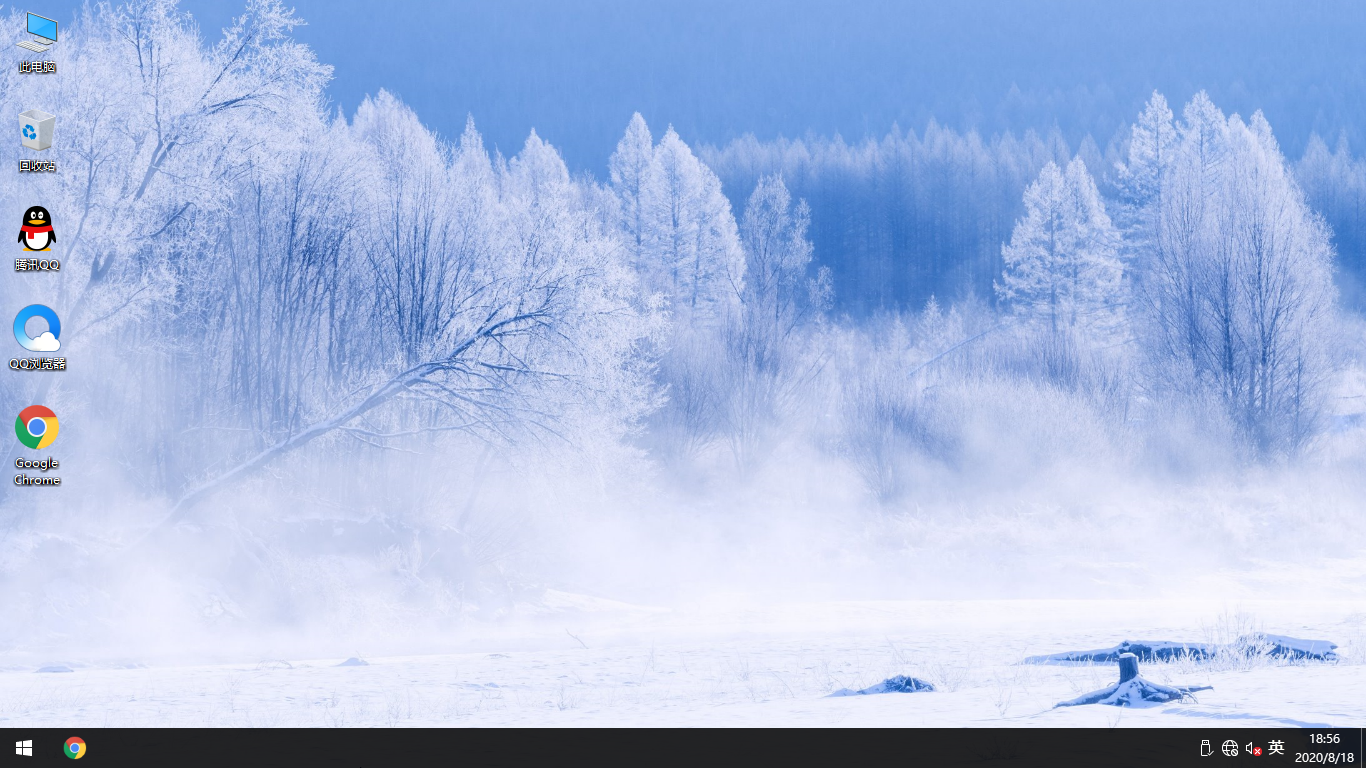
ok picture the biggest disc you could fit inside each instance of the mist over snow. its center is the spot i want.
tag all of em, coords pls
(340, 383)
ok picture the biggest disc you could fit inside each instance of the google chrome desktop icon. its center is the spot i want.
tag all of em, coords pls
(36, 427)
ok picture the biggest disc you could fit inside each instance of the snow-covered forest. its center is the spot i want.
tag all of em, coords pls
(336, 374)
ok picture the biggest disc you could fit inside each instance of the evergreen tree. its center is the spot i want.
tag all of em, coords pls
(1152, 147)
(697, 261)
(1061, 265)
(776, 296)
(634, 175)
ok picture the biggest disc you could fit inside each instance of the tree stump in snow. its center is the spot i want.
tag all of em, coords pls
(1134, 691)
(1128, 667)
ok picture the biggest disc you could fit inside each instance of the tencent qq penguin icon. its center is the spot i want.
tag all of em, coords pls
(45, 341)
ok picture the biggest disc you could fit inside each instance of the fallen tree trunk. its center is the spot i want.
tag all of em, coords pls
(1248, 645)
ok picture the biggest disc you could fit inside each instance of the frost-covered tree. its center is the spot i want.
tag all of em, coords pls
(678, 224)
(681, 234)
(1152, 147)
(413, 234)
(634, 174)
(1237, 295)
(778, 295)
(765, 361)
(699, 262)
(526, 319)
(270, 305)
(1061, 265)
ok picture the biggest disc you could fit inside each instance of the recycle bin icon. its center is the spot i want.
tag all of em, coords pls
(35, 127)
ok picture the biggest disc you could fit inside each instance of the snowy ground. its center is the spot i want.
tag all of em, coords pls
(734, 665)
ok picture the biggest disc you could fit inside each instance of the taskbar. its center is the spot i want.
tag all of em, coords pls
(436, 744)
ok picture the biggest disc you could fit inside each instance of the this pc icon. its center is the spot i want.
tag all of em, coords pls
(44, 31)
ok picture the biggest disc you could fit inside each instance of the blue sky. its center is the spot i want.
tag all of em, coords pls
(719, 69)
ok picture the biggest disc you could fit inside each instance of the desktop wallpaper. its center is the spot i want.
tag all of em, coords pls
(685, 363)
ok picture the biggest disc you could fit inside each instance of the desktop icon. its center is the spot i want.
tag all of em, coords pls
(36, 427)
(35, 128)
(36, 233)
(75, 748)
(44, 31)
(47, 341)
